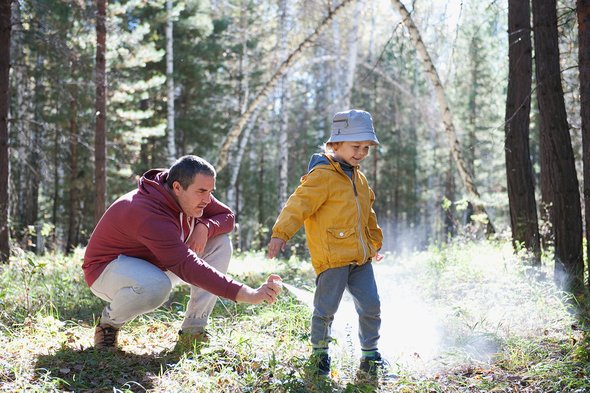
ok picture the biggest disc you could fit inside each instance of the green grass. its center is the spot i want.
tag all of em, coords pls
(477, 320)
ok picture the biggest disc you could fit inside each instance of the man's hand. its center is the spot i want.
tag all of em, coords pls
(267, 292)
(275, 246)
(198, 239)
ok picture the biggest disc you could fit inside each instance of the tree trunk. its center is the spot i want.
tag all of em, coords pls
(519, 170)
(283, 92)
(34, 178)
(243, 93)
(447, 116)
(5, 29)
(234, 133)
(557, 153)
(583, 12)
(20, 132)
(352, 55)
(170, 132)
(74, 201)
(100, 178)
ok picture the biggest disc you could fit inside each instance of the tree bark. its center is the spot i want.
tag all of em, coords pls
(5, 30)
(100, 130)
(519, 170)
(557, 152)
(583, 13)
(170, 132)
(74, 199)
(243, 93)
(352, 55)
(234, 133)
(283, 92)
(34, 177)
(447, 116)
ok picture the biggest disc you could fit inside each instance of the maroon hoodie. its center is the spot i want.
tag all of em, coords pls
(149, 224)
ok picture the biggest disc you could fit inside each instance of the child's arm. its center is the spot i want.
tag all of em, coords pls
(307, 198)
(275, 246)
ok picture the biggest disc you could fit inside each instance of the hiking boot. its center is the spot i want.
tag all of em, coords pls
(320, 363)
(189, 342)
(373, 364)
(105, 336)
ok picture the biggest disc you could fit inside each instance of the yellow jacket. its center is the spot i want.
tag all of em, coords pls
(340, 223)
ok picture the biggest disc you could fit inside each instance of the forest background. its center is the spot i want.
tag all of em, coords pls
(257, 80)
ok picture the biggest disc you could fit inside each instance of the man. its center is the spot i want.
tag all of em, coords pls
(171, 229)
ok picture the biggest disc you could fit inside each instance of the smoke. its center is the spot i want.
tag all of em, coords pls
(458, 306)
(452, 305)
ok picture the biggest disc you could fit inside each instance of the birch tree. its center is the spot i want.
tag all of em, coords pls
(447, 116)
(236, 130)
(243, 94)
(351, 62)
(170, 132)
(283, 93)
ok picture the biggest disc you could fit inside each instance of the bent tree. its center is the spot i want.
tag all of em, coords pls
(236, 130)
(447, 116)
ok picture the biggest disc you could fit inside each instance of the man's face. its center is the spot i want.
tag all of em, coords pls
(196, 196)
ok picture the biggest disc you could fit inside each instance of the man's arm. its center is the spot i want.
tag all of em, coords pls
(218, 218)
(267, 292)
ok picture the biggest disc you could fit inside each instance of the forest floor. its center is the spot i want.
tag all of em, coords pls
(465, 317)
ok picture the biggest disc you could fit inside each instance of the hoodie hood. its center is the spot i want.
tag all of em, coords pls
(153, 183)
(317, 159)
(321, 159)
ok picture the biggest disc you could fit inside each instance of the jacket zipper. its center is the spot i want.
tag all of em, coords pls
(358, 210)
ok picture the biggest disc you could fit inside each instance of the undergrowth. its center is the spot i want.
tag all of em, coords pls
(463, 317)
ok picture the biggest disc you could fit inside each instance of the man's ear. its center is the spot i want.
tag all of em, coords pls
(176, 187)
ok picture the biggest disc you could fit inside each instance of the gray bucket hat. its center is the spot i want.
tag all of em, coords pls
(353, 126)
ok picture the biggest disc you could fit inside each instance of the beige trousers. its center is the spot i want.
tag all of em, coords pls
(134, 286)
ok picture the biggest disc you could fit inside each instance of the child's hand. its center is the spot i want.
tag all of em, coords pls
(275, 246)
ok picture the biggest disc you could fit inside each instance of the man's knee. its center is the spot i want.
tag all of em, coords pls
(154, 292)
(218, 252)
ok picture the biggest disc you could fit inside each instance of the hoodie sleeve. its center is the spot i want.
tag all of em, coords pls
(218, 218)
(306, 200)
(161, 237)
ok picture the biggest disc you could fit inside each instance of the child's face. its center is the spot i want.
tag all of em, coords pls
(352, 152)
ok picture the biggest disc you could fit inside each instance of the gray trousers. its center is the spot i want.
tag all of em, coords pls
(134, 286)
(330, 285)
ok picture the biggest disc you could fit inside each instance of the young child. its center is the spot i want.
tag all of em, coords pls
(334, 202)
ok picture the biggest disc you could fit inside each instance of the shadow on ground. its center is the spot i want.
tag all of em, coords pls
(102, 370)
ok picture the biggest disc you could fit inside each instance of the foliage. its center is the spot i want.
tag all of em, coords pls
(223, 53)
(504, 329)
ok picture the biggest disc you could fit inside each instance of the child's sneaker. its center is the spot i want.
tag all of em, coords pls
(320, 363)
(372, 364)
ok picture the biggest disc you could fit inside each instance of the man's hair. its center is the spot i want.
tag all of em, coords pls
(186, 168)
